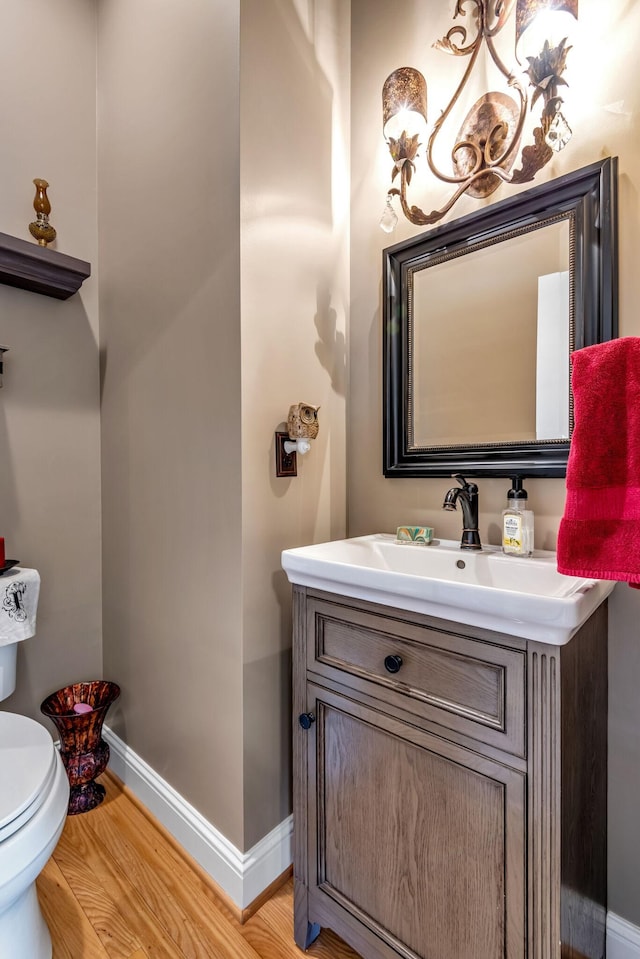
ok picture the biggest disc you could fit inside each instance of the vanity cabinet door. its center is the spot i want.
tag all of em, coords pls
(415, 845)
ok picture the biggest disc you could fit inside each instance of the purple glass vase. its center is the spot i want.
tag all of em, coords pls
(83, 751)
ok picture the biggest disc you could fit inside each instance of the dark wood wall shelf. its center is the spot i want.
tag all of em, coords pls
(39, 269)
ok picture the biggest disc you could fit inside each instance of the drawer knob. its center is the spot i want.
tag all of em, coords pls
(306, 720)
(393, 663)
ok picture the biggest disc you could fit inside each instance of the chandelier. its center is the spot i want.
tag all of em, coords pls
(487, 150)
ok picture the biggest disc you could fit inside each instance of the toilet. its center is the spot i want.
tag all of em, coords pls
(34, 794)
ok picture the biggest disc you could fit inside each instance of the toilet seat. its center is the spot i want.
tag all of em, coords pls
(27, 769)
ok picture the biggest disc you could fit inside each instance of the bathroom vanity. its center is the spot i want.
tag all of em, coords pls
(449, 780)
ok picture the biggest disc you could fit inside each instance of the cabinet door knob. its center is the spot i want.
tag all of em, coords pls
(306, 720)
(393, 663)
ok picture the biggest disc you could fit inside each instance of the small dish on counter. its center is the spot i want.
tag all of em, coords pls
(422, 535)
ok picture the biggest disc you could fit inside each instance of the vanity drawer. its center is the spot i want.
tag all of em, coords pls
(473, 687)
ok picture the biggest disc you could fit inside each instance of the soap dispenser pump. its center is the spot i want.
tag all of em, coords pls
(517, 521)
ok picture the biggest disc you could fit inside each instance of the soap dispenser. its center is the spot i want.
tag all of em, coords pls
(517, 522)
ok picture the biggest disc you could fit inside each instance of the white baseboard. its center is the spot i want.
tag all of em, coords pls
(243, 876)
(623, 938)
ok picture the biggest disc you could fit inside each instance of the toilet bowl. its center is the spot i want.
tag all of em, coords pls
(34, 793)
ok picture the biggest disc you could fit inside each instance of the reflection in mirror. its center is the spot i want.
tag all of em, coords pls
(480, 316)
(506, 306)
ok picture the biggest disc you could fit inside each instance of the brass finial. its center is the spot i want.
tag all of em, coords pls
(41, 229)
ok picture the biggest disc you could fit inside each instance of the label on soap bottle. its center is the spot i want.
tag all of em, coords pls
(512, 532)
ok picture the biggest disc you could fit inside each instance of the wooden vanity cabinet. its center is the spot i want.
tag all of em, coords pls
(449, 785)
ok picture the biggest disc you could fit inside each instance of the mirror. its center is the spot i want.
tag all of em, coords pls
(523, 338)
(481, 315)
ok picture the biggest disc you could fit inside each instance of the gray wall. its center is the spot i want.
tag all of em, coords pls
(294, 66)
(202, 228)
(49, 406)
(168, 120)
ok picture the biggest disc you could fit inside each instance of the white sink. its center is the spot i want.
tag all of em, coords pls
(525, 597)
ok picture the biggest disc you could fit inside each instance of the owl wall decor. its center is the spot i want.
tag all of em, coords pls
(302, 422)
(302, 426)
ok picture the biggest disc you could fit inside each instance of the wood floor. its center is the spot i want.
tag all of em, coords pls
(117, 888)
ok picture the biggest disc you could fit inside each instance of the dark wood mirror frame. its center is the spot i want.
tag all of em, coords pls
(589, 196)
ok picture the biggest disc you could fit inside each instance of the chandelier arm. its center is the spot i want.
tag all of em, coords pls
(437, 126)
(483, 161)
(508, 74)
(447, 43)
(418, 217)
(478, 153)
(461, 12)
(473, 49)
(515, 84)
(534, 157)
(502, 10)
(500, 129)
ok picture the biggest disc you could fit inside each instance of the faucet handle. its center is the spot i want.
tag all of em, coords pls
(469, 487)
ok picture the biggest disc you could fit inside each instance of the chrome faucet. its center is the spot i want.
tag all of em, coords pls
(467, 493)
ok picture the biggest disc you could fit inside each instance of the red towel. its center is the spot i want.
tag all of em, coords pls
(599, 534)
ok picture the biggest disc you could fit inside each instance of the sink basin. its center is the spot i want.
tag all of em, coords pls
(523, 596)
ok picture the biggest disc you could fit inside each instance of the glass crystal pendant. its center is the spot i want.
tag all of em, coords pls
(388, 220)
(558, 134)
